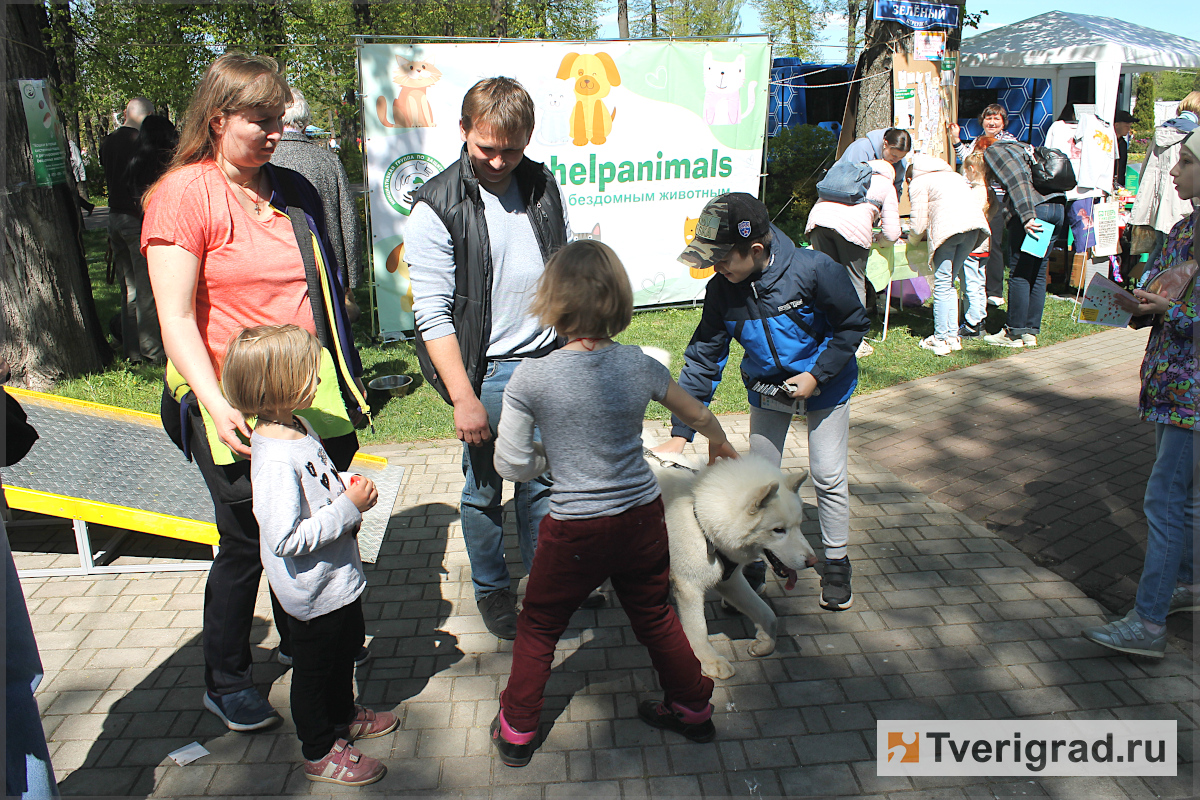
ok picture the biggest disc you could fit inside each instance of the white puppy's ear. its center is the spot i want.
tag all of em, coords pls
(763, 496)
(794, 479)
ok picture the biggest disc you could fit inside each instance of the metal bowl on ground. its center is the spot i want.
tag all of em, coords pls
(394, 385)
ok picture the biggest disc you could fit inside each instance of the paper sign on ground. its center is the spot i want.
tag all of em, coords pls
(187, 754)
(1100, 303)
(1036, 244)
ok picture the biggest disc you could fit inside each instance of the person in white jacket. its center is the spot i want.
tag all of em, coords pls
(949, 215)
(845, 233)
(1158, 207)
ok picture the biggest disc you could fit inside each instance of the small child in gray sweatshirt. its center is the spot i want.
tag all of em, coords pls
(308, 515)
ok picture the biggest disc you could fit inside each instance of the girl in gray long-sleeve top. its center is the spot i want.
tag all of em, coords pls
(308, 515)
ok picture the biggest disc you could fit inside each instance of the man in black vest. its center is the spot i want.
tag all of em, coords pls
(476, 243)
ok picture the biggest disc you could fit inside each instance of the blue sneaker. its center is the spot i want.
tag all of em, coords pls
(1129, 635)
(1183, 600)
(242, 711)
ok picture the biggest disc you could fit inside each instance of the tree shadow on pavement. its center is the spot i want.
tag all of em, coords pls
(405, 615)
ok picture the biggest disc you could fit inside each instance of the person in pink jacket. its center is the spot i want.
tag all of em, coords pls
(950, 216)
(845, 233)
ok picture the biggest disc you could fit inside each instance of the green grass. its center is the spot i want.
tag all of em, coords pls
(421, 414)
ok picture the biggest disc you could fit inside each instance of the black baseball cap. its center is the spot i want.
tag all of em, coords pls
(1123, 116)
(726, 221)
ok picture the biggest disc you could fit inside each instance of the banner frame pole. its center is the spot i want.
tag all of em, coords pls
(360, 97)
(762, 180)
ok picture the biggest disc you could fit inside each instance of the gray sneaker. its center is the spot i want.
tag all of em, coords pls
(1129, 635)
(1182, 599)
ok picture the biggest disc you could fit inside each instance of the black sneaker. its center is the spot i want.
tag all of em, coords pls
(511, 755)
(656, 714)
(242, 711)
(835, 585)
(756, 576)
(499, 610)
(968, 331)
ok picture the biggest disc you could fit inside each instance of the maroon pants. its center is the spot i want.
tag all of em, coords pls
(573, 558)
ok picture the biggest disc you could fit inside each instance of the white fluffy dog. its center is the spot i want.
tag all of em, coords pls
(719, 519)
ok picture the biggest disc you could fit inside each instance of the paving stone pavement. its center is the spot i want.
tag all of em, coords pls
(950, 621)
(1044, 447)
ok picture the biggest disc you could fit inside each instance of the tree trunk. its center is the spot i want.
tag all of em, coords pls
(653, 19)
(854, 11)
(623, 18)
(51, 329)
(499, 19)
(60, 15)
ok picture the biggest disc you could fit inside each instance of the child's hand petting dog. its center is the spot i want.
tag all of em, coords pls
(362, 493)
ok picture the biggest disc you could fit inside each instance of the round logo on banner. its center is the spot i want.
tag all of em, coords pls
(405, 175)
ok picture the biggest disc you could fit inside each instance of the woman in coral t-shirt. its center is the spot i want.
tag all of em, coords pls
(224, 255)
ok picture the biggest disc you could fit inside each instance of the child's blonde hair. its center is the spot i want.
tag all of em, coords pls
(975, 161)
(271, 368)
(584, 291)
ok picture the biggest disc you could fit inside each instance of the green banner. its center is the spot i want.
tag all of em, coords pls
(45, 134)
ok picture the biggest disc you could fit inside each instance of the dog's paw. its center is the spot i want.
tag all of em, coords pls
(718, 668)
(762, 645)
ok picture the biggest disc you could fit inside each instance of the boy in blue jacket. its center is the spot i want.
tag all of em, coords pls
(798, 317)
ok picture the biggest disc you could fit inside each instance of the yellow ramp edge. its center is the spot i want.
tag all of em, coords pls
(133, 519)
(84, 406)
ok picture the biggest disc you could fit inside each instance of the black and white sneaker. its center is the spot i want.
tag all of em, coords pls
(835, 585)
(969, 331)
(245, 710)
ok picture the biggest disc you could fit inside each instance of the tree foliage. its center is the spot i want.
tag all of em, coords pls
(656, 18)
(793, 25)
(159, 50)
(796, 159)
(854, 11)
(1143, 110)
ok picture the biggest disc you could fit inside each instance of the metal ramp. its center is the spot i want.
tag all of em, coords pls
(111, 466)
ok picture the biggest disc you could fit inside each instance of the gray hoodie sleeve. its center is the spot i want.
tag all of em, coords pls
(279, 506)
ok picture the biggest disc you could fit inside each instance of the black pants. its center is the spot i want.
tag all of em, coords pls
(323, 650)
(850, 255)
(994, 267)
(233, 579)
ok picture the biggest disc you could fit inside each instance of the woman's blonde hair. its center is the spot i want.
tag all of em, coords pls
(271, 368)
(584, 291)
(232, 83)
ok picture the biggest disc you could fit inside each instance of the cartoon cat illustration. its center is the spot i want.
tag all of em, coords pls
(554, 116)
(723, 81)
(595, 234)
(689, 233)
(411, 109)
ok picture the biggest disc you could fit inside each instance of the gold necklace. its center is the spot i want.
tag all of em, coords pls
(246, 190)
(295, 424)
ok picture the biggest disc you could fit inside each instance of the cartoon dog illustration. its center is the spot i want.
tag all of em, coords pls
(411, 109)
(689, 233)
(723, 81)
(396, 263)
(594, 77)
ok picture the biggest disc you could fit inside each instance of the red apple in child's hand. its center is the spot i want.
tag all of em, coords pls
(355, 479)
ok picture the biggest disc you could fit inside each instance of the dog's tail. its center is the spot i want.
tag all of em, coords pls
(658, 354)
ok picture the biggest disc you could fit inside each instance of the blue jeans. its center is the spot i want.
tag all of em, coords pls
(1170, 507)
(974, 278)
(947, 260)
(1027, 281)
(482, 508)
(28, 772)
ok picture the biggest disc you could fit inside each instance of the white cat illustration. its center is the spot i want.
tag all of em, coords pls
(723, 81)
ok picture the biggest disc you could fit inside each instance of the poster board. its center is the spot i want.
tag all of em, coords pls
(925, 100)
(681, 122)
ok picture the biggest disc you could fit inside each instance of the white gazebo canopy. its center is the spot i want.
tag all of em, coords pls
(1056, 46)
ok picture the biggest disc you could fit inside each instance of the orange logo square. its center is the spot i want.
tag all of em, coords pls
(904, 747)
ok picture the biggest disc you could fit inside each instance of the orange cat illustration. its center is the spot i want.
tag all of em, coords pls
(396, 263)
(411, 109)
(689, 233)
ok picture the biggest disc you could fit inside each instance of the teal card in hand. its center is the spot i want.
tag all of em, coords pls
(1036, 244)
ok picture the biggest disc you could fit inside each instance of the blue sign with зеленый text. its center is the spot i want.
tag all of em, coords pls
(918, 16)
